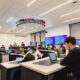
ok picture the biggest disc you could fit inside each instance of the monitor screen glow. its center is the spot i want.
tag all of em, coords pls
(77, 42)
(60, 39)
(50, 40)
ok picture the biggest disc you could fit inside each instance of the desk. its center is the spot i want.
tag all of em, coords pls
(13, 56)
(4, 58)
(7, 68)
(32, 71)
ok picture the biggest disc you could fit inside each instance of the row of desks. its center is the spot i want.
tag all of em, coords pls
(29, 70)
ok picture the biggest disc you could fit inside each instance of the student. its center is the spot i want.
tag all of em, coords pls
(22, 44)
(21, 51)
(73, 57)
(2, 47)
(48, 47)
(37, 54)
(62, 49)
(29, 50)
(53, 47)
(39, 47)
(15, 45)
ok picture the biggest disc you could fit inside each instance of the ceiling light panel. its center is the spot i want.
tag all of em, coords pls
(54, 8)
(32, 2)
(71, 20)
(70, 13)
(10, 19)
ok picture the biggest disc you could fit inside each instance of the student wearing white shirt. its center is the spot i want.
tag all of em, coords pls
(28, 51)
(37, 54)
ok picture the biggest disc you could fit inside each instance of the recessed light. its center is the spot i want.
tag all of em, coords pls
(67, 14)
(52, 9)
(10, 19)
(71, 20)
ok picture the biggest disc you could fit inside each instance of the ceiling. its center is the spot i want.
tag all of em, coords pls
(12, 10)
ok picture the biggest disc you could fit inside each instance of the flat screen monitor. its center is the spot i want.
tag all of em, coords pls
(77, 42)
(60, 39)
(50, 40)
(52, 56)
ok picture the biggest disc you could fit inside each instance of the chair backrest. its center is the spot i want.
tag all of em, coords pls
(28, 57)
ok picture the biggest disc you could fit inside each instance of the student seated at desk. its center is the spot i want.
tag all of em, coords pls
(21, 51)
(61, 49)
(15, 45)
(29, 50)
(73, 57)
(37, 54)
(2, 47)
(39, 47)
(22, 44)
(48, 47)
(53, 47)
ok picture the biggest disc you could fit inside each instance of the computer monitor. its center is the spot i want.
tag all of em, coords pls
(19, 59)
(60, 39)
(50, 40)
(52, 57)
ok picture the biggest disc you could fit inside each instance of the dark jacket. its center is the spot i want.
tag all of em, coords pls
(73, 60)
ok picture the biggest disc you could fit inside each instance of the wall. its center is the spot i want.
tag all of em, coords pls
(75, 30)
(8, 39)
(59, 30)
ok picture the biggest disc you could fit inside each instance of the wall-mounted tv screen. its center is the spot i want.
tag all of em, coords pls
(50, 40)
(77, 42)
(60, 39)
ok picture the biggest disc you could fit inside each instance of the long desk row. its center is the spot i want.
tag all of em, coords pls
(29, 70)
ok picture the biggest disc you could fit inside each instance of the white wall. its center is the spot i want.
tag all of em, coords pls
(58, 30)
(7, 39)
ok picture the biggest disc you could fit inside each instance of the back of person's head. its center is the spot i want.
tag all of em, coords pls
(71, 40)
(29, 57)
(28, 48)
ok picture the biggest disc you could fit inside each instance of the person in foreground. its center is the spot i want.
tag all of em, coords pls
(73, 57)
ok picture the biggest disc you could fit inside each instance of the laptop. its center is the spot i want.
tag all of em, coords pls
(53, 57)
(18, 60)
(52, 60)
